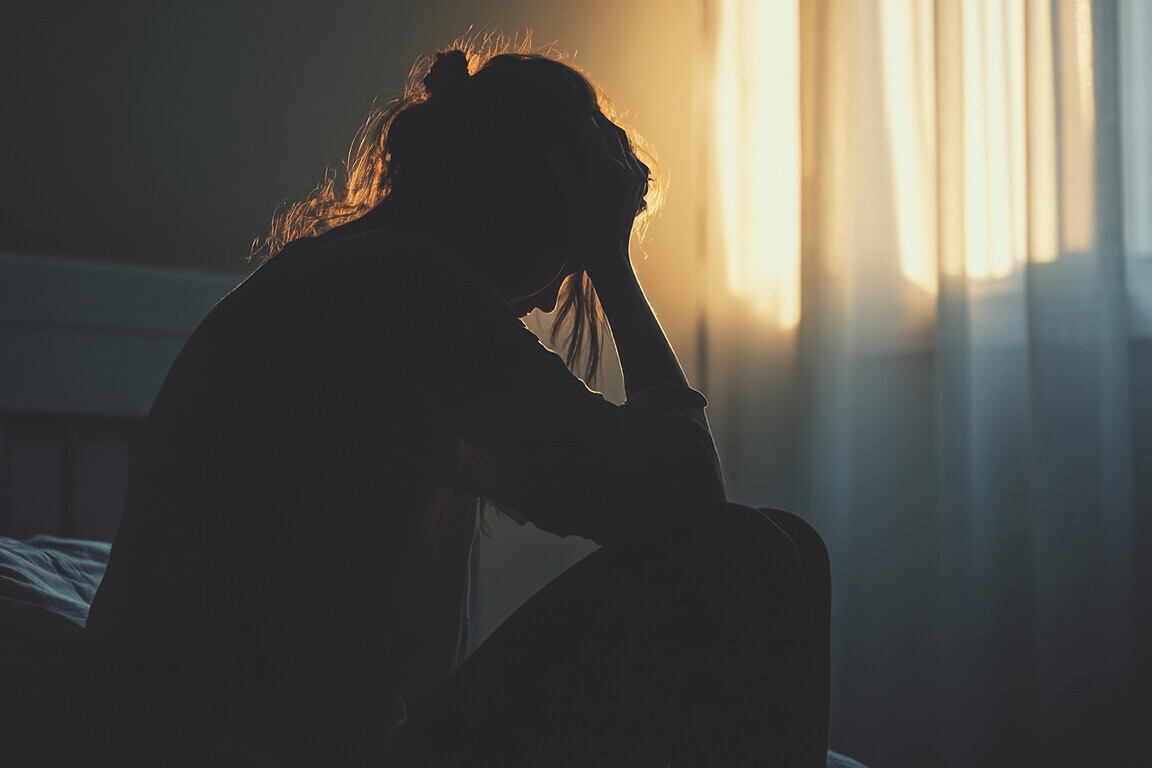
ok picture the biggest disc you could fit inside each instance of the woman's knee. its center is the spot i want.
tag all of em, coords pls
(809, 545)
(723, 554)
(748, 546)
(768, 531)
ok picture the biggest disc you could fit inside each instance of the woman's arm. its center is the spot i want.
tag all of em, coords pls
(532, 437)
(646, 357)
(606, 188)
(666, 443)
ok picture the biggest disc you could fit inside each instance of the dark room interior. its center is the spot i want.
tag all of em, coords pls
(905, 252)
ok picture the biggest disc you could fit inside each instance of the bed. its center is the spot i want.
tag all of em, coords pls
(57, 709)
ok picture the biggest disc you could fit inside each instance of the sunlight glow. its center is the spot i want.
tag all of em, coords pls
(907, 46)
(1078, 120)
(995, 201)
(1043, 176)
(756, 130)
(1016, 148)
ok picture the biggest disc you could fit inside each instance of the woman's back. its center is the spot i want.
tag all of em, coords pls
(285, 517)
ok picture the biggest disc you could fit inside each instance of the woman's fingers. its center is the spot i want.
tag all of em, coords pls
(637, 174)
(617, 142)
(604, 183)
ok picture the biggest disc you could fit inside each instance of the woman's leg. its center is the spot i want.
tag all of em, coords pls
(696, 650)
(818, 595)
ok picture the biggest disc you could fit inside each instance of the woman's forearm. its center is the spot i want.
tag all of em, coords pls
(646, 357)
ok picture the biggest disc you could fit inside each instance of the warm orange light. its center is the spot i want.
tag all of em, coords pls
(1016, 148)
(1078, 121)
(995, 199)
(756, 130)
(907, 50)
(1043, 178)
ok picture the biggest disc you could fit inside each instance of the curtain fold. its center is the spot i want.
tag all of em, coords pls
(958, 407)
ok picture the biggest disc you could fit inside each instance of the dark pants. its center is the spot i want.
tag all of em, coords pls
(705, 646)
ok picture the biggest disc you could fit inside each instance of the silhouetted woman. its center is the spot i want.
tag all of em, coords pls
(294, 556)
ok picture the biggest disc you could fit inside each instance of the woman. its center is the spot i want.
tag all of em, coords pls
(294, 554)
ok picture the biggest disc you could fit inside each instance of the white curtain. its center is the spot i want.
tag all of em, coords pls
(929, 332)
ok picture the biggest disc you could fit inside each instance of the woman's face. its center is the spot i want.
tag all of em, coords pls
(531, 248)
(526, 224)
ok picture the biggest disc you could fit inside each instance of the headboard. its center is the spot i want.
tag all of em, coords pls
(84, 347)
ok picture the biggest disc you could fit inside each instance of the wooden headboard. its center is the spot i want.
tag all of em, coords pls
(84, 347)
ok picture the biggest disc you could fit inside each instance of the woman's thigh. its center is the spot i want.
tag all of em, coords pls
(695, 648)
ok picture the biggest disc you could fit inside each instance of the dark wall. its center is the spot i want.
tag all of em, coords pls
(168, 132)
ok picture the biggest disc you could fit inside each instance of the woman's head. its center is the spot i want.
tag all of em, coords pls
(474, 156)
(488, 131)
(466, 148)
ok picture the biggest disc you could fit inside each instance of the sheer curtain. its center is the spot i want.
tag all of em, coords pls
(929, 331)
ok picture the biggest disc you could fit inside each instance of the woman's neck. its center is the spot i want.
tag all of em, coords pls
(396, 214)
(401, 215)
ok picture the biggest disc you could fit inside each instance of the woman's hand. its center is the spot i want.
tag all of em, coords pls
(604, 185)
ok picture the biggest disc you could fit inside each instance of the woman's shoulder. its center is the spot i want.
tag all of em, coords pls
(386, 250)
(405, 265)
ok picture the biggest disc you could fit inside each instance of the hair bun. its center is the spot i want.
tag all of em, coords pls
(447, 74)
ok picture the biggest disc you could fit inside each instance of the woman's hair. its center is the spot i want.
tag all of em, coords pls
(472, 129)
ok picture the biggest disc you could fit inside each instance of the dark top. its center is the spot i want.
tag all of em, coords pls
(303, 505)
